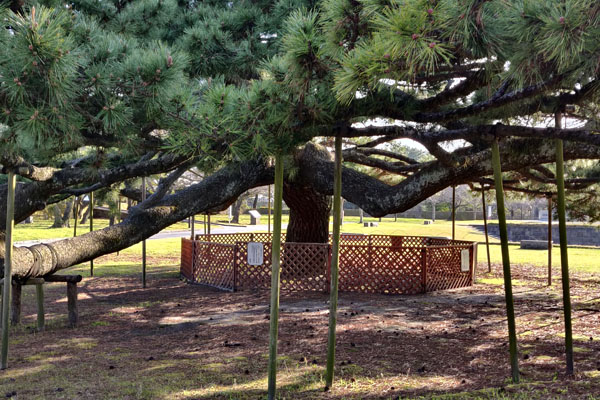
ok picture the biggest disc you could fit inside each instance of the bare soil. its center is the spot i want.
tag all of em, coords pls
(179, 341)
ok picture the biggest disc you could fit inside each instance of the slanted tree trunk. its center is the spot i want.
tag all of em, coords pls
(255, 202)
(61, 220)
(85, 215)
(309, 214)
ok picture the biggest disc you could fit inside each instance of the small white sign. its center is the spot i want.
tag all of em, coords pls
(255, 253)
(254, 213)
(465, 261)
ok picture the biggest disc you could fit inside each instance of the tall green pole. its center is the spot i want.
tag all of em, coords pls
(10, 224)
(510, 310)
(76, 216)
(143, 241)
(275, 274)
(487, 239)
(454, 213)
(564, 257)
(549, 241)
(337, 216)
(91, 228)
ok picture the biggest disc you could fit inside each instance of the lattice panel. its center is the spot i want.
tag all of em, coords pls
(368, 263)
(443, 268)
(381, 269)
(214, 265)
(305, 266)
(187, 256)
(252, 276)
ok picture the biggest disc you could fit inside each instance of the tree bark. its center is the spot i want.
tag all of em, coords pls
(309, 214)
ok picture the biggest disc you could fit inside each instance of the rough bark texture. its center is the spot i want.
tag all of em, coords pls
(309, 214)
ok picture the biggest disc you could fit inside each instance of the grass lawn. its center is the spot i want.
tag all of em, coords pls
(40, 229)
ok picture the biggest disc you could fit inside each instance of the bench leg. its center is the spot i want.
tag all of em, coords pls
(15, 311)
(39, 295)
(72, 303)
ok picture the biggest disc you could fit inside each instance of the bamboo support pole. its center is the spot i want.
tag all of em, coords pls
(76, 216)
(485, 227)
(510, 310)
(143, 241)
(91, 228)
(549, 241)
(337, 214)
(269, 209)
(10, 224)
(564, 257)
(275, 275)
(453, 212)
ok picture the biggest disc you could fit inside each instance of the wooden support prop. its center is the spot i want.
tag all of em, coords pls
(204, 225)
(72, 303)
(15, 305)
(564, 257)
(39, 297)
(333, 300)
(143, 241)
(10, 224)
(208, 223)
(275, 275)
(510, 310)
(91, 227)
(119, 212)
(549, 241)
(63, 278)
(485, 227)
(453, 212)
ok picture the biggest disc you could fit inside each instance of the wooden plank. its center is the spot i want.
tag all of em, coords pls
(63, 278)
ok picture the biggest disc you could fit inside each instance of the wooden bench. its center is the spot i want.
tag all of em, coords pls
(70, 280)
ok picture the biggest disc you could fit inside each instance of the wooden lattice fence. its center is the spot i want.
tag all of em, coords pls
(368, 263)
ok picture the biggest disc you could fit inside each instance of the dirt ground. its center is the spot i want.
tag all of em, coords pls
(179, 341)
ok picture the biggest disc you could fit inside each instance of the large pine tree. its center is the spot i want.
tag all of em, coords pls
(95, 93)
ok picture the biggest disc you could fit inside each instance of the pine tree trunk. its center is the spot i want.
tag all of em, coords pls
(236, 209)
(57, 217)
(309, 214)
(85, 215)
(66, 217)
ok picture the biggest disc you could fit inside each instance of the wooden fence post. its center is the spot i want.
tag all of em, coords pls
(39, 296)
(424, 269)
(15, 306)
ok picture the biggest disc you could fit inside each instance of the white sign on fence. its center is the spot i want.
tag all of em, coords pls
(255, 253)
(465, 261)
